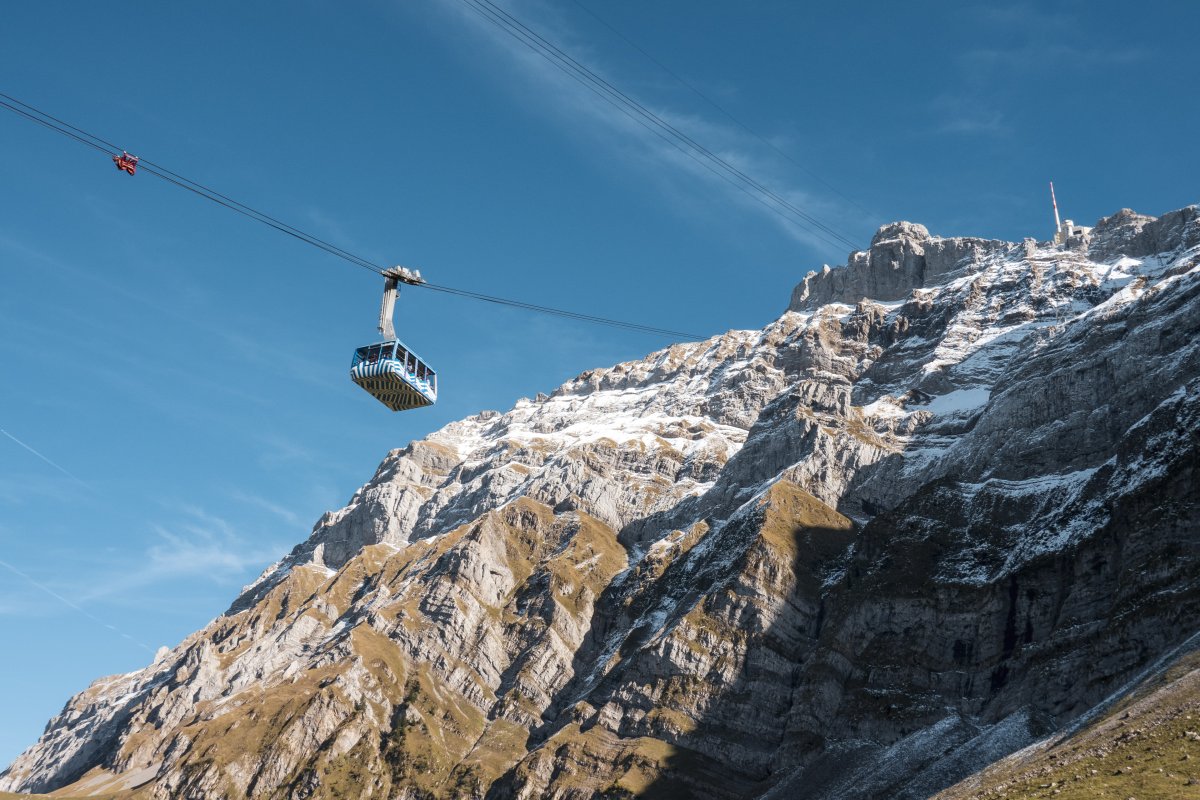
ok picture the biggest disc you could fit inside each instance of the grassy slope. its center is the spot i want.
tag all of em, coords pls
(1147, 746)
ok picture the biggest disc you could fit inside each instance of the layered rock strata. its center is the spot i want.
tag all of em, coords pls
(943, 506)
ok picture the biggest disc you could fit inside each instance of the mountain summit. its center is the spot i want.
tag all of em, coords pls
(942, 508)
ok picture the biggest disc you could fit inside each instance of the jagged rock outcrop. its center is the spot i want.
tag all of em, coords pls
(902, 257)
(943, 506)
(1134, 235)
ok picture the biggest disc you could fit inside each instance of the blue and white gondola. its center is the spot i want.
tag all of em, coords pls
(393, 374)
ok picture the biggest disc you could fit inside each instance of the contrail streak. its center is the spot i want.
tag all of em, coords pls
(73, 605)
(66, 472)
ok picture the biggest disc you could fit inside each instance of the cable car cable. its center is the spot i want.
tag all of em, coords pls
(162, 172)
(97, 143)
(156, 169)
(558, 312)
(688, 85)
(52, 127)
(282, 228)
(614, 96)
(518, 30)
(689, 152)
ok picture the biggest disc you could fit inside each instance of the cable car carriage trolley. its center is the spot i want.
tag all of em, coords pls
(126, 162)
(393, 374)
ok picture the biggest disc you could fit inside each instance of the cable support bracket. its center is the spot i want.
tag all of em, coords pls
(404, 275)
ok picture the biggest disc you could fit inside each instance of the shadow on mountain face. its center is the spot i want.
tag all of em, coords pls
(961, 625)
(737, 587)
(929, 659)
(975, 618)
(729, 753)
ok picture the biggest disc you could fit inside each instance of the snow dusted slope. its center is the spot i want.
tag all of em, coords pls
(620, 443)
(944, 504)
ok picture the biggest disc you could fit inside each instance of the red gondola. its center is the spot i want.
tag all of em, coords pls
(126, 162)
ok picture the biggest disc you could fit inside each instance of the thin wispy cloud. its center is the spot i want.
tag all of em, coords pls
(203, 544)
(199, 552)
(1024, 41)
(277, 450)
(46, 487)
(281, 361)
(79, 276)
(1060, 55)
(993, 124)
(194, 545)
(285, 514)
(1023, 16)
(969, 115)
(1047, 33)
(649, 153)
(329, 228)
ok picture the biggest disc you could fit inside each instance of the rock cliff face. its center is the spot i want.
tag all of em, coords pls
(942, 507)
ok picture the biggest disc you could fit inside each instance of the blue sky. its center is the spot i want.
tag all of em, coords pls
(176, 408)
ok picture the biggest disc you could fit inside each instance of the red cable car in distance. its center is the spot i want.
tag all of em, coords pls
(126, 162)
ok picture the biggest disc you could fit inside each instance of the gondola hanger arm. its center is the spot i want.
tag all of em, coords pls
(393, 277)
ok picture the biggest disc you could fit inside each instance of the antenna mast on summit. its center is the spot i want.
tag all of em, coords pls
(1057, 221)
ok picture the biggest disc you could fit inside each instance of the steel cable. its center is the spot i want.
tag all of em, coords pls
(33, 114)
(518, 30)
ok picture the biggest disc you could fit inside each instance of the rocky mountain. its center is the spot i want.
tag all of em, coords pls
(942, 508)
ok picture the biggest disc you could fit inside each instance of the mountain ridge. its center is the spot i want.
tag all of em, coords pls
(732, 567)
